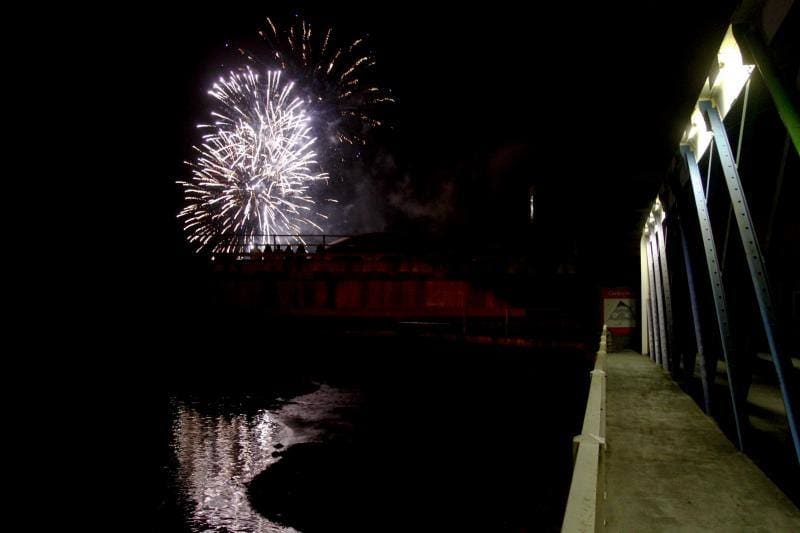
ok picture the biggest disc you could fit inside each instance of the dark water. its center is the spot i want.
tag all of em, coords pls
(391, 434)
(221, 444)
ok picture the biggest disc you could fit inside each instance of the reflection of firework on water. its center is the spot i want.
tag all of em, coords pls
(253, 169)
(333, 78)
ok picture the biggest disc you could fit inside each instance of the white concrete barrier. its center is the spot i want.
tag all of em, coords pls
(584, 510)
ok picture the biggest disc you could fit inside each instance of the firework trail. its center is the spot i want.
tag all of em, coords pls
(335, 79)
(254, 166)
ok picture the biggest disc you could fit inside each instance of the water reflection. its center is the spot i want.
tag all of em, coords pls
(219, 449)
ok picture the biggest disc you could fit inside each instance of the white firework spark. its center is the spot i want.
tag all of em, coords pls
(335, 78)
(253, 169)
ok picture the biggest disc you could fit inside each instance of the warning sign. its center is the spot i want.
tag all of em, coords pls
(619, 309)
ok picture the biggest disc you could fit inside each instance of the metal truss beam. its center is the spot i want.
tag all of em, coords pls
(717, 288)
(756, 264)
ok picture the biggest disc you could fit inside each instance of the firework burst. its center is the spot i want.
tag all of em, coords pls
(335, 79)
(254, 167)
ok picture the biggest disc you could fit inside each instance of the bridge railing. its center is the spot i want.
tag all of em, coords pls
(253, 246)
(584, 510)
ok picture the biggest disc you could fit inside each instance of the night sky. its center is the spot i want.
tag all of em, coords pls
(586, 103)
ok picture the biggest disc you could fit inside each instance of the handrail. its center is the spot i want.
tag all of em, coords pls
(584, 510)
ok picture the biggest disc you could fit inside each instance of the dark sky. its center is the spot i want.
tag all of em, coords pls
(584, 101)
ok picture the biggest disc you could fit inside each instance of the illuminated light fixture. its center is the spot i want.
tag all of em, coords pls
(698, 135)
(723, 86)
(657, 215)
(532, 203)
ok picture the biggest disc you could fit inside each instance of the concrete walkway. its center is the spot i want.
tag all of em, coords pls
(670, 468)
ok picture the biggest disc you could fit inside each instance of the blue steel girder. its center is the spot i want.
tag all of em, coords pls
(756, 265)
(717, 288)
(647, 304)
(695, 310)
(662, 327)
(665, 286)
(654, 331)
(650, 339)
